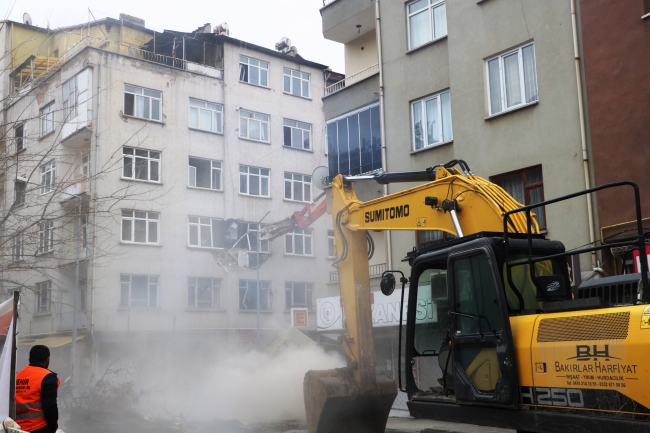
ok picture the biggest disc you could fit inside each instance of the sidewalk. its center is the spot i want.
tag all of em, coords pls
(412, 425)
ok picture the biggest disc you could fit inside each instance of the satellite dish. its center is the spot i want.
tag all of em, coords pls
(27, 19)
(319, 177)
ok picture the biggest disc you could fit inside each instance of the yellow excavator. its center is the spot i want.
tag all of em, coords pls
(495, 335)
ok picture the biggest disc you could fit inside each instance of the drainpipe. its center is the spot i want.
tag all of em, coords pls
(94, 225)
(583, 138)
(384, 162)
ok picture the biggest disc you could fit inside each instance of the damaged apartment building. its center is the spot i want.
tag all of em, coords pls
(137, 167)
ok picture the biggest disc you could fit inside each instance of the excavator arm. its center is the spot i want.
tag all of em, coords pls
(356, 399)
(300, 219)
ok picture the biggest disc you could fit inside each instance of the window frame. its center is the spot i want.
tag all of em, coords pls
(301, 79)
(46, 116)
(331, 244)
(216, 113)
(212, 170)
(262, 122)
(502, 80)
(152, 280)
(265, 285)
(198, 224)
(45, 237)
(296, 126)
(17, 248)
(260, 176)
(148, 221)
(431, 5)
(40, 288)
(424, 118)
(134, 157)
(289, 295)
(150, 98)
(527, 187)
(305, 234)
(20, 195)
(48, 177)
(305, 186)
(216, 284)
(19, 140)
(85, 165)
(259, 73)
(71, 98)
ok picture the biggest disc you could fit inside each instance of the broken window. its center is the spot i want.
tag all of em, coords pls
(254, 126)
(204, 173)
(19, 137)
(46, 236)
(142, 103)
(206, 232)
(297, 134)
(204, 293)
(248, 295)
(253, 71)
(254, 181)
(299, 295)
(296, 83)
(141, 164)
(299, 242)
(138, 291)
(206, 116)
(297, 187)
(47, 119)
(248, 238)
(48, 172)
(43, 297)
(140, 227)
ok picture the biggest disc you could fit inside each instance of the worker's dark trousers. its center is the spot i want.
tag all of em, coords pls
(45, 429)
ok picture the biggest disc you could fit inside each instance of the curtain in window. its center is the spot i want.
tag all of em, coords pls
(445, 103)
(530, 76)
(419, 27)
(433, 127)
(514, 185)
(417, 125)
(440, 21)
(536, 197)
(495, 86)
(512, 80)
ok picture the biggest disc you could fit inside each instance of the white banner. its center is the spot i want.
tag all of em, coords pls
(385, 310)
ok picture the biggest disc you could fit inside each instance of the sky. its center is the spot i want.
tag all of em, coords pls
(261, 22)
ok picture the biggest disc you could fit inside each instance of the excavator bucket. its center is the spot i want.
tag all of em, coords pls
(334, 403)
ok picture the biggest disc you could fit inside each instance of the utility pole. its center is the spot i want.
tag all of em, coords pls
(259, 233)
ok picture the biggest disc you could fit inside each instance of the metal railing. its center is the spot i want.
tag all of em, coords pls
(354, 78)
(374, 271)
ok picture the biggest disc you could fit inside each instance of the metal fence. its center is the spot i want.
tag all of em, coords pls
(354, 78)
(374, 270)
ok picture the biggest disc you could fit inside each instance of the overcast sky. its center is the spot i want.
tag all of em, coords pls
(262, 22)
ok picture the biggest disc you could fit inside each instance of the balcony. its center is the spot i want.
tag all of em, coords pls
(355, 78)
(374, 270)
(346, 20)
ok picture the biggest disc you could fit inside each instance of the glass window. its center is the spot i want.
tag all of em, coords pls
(206, 232)
(46, 236)
(297, 187)
(432, 121)
(20, 189)
(140, 227)
(19, 137)
(512, 79)
(141, 164)
(84, 168)
(142, 103)
(297, 134)
(331, 244)
(204, 293)
(299, 295)
(139, 291)
(48, 172)
(527, 187)
(254, 181)
(17, 247)
(253, 71)
(47, 119)
(296, 83)
(427, 21)
(254, 126)
(248, 295)
(299, 242)
(206, 116)
(204, 173)
(43, 297)
(75, 92)
(432, 311)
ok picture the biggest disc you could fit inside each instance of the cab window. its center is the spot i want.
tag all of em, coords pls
(521, 277)
(432, 311)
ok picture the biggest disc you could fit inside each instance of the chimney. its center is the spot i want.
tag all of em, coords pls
(133, 20)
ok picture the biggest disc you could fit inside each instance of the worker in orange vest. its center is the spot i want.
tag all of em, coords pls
(36, 389)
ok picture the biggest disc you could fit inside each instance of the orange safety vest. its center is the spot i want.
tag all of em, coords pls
(29, 410)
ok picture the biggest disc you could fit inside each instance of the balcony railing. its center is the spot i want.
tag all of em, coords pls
(361, 75)
(65, 321)
(374, 270)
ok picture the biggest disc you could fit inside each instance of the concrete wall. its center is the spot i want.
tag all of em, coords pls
(361, 53)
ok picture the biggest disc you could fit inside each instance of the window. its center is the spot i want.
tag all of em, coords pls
(142, 103)
(206, 116)
(48, 172)
(84, 168)
(20, 190)
(527, 187)
(297, 187)
(299, 242)
(512, 80)
(296, 83)
(204, 293)
(43, 297)
(141, 164)
(248, 295)
(435, 113)
(427, 21)
(254, 181)
(254, 126)
(354, 143)
(84, 235)
(19, 137)
(253, 71)
(140, 227)
(297, 134)
(206, 232)
(204, 173)
(299, 295)
(74, 92)
(47, 119)
(46, 236)
(138, 291)
(17, 247)
(331, 244)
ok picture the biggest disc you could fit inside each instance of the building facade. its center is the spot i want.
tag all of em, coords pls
(155, 156)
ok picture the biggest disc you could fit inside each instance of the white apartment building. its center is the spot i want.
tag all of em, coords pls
(176, 144)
